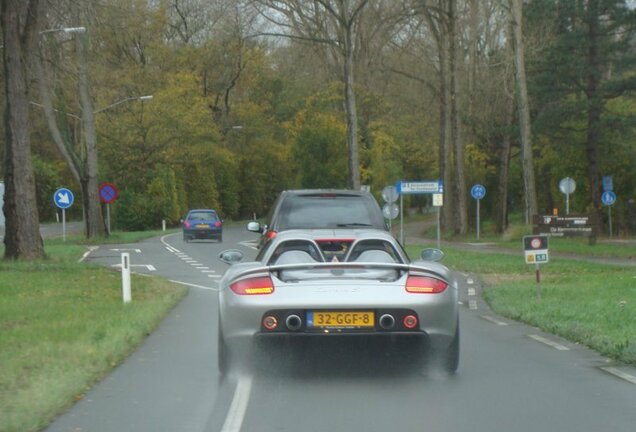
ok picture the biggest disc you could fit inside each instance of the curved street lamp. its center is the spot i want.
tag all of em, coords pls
(139, 98)
(65, 30)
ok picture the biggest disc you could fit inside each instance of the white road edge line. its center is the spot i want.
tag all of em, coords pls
(87, 253)
(620, 374)
(193, 285)
(549, 342)
(236, 413)
(494, 320)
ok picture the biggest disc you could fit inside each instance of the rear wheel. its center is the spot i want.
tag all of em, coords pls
(450, 359)
(224, 355)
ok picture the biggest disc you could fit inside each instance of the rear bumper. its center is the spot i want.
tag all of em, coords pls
(203, 233)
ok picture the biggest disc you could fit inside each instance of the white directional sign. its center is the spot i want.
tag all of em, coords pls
(420, 187)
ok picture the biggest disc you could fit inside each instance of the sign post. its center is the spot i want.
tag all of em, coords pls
(536, 252)
(390, 210)
(609, 198)
(438, 201)
(63, 198)
(567, 186)
(478, 192)
(108, 193)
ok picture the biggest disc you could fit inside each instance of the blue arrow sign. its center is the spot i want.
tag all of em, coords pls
(608, 198)
(63, 198)
(478, 191)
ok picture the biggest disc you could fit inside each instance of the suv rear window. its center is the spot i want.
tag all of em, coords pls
(327, 211)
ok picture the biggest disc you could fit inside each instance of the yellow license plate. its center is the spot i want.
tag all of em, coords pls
(341, 319)
(203, 226)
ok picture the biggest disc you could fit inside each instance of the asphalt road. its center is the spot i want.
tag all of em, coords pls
(511, 378)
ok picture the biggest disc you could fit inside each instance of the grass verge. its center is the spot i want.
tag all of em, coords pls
(591, 304)
(63, 327)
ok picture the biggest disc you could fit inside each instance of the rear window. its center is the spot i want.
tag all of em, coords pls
(329, 211)
(202, 215)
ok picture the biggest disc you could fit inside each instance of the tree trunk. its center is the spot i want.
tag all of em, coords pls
(22, 238)
(530, 193)
(595, 107)
(89, 181)
(458, 145)
(351, 112)
(501, 217)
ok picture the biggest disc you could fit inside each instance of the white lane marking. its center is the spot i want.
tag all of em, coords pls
(126, 250)
(149, 267)
(471, 291)
(208, 271)
(494, 320)
(250, 244)
(215, 276)
(470, 281)
(87, 253)
(548, 342)
(472, 305)
(171, 249)
(236, 413)
(202, 267)
(193, 285)
(620, 374)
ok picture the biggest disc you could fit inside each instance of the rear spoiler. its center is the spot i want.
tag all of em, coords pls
(406, 268)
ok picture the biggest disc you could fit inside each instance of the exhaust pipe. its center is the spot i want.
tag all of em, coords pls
(387, 322)
(294, 322)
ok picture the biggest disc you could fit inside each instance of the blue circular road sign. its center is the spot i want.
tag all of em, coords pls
(478, 191)
(608, 198)
(63, 198)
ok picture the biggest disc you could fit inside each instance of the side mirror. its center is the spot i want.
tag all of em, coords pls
(254, 226)
(432, 254)
(231, 256)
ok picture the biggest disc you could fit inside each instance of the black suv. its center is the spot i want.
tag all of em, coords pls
(319, 209)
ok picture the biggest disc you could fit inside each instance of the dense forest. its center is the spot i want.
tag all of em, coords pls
(256, 96)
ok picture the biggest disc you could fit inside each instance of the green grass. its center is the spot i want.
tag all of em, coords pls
(592, 304)
(513, 237)
(63, 327)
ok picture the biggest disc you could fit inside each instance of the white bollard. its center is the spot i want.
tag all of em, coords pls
(163, 224)
(125, 277)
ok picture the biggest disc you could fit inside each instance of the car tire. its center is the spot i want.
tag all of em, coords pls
(223, 354)
(450, 359)
(220, 239)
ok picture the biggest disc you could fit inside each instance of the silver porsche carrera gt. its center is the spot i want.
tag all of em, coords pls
(336, 283)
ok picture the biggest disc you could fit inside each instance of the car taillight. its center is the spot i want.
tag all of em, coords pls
(425, 285)
(254, 286)
(186, 224)
(217, 224)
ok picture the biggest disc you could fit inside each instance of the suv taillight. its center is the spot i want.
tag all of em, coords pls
(270, 235)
